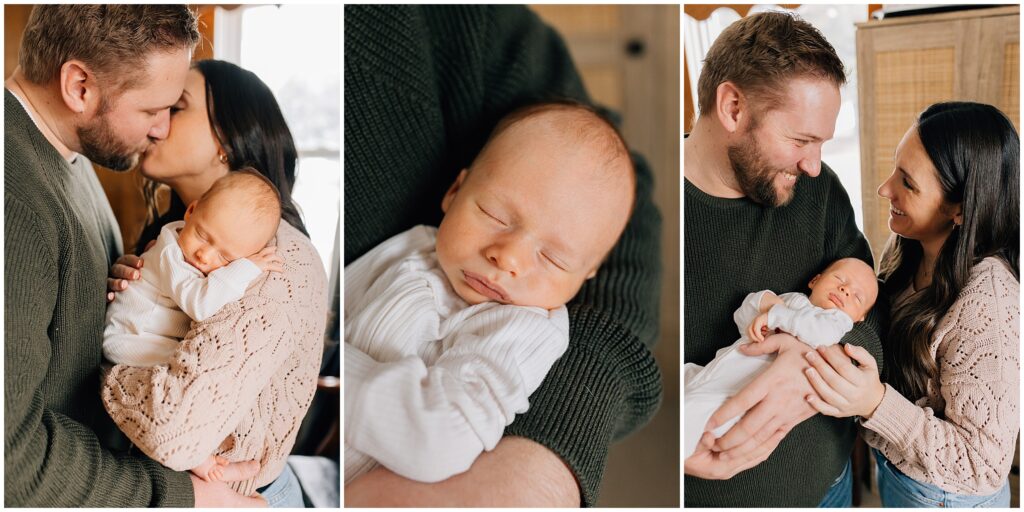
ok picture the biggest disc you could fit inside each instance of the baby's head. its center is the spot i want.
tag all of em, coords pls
(848, 284)
(236, 218)
(538, 209)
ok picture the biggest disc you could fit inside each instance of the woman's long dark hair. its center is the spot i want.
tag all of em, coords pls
(976, 151)
(252, 132)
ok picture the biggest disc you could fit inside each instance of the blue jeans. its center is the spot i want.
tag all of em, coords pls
(840, 495)
(284, 491)
(899, 490)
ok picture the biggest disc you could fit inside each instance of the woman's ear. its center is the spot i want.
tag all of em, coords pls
(958, 214)
(452, 191)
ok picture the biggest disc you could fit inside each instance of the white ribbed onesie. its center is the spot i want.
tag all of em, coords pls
(146, 321)
(430, 381)
(706, 388)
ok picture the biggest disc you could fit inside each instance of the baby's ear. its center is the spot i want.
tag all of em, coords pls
(814, 280)
(190, 209)
(592, 274)
(452, 191)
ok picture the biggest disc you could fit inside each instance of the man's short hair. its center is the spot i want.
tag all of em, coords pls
(113, 40)
(763, 51)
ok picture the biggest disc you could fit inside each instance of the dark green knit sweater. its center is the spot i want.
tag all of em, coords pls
(423, 88)
(734, 247)
(60, 239)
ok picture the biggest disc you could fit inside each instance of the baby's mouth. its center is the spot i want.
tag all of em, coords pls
(485, 287)
(836, 300)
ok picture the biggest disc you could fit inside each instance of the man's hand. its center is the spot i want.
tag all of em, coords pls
(218, 469)
(711, 465)
(218, 494)
(518, 472)
(774, 402)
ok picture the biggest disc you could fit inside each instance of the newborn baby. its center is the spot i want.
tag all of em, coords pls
(841, 295)
(449, 330)
(195, 268)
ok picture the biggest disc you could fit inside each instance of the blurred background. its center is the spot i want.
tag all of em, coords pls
(899, 59)
(628, 56)
(296, 51)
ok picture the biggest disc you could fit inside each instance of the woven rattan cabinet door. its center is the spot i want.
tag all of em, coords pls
(906, 64)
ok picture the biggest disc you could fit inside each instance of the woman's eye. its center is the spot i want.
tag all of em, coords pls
(907, 184)
(175, 110)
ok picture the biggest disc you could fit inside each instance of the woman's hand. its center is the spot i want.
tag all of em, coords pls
(126, 268)
(844, 389)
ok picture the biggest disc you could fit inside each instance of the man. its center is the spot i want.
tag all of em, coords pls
(93, 83)
(424, 85)
(763, 212)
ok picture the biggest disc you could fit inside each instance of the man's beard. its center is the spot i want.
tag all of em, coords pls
(101, 145)
(757, 179)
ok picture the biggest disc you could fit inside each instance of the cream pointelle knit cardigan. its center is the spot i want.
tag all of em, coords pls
(961, 436)
(241, 381)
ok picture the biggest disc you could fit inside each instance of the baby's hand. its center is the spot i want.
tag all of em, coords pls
(758, 328)
(268, 260)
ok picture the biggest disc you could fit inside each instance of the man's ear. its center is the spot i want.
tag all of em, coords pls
(78, 87)
(730, 106)
(453, 190)
(190, 209)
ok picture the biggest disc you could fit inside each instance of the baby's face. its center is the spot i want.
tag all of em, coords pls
(531, 222)
(849, 285)
(214, 235)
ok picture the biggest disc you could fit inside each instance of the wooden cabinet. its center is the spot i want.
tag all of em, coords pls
(906, 64)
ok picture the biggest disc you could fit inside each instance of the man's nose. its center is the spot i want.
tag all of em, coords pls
(162, 126)
(811, 163)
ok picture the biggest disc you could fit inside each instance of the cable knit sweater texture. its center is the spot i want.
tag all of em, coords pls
(423, 87)
(241, 381)
(960, 437)
(60, 238)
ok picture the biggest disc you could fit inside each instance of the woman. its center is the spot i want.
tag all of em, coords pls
(243, 379)
(943, 426)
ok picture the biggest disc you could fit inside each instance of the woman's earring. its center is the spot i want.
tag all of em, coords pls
(223, 158)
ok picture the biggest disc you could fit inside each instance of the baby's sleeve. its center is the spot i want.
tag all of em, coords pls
(200, 297)
(748, 310)
(812, 325)
(428, 423)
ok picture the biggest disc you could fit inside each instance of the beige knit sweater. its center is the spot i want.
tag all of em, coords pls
(961, 436)
(241, 381)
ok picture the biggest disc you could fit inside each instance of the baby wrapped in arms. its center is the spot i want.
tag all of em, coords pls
(841, 295)
(449, 330)
(194, 269)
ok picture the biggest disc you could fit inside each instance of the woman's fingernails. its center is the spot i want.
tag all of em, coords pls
(135, 275)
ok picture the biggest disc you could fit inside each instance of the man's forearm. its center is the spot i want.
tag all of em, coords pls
(518, 472)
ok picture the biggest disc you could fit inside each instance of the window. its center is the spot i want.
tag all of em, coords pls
(296, 51)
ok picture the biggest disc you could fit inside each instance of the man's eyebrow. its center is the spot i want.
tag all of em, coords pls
(813, 138)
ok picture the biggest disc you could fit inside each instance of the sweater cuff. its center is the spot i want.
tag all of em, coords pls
(171, 488)
(605, 386)
(893, 418)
